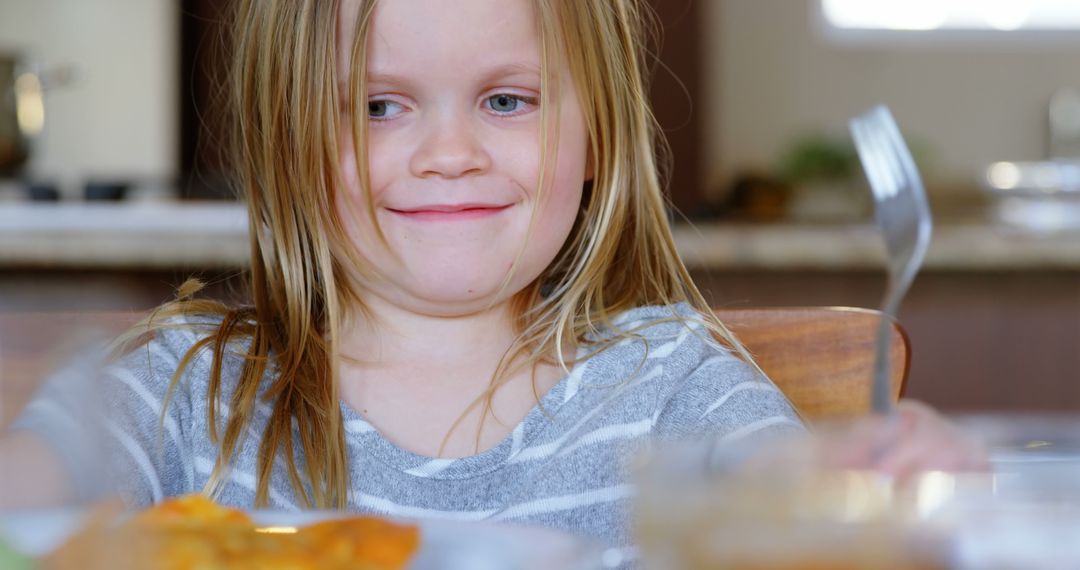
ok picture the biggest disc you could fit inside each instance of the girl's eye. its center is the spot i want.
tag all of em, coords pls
(506, 104)
(381, 109)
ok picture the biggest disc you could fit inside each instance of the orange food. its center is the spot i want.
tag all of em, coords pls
(194, 532)
(192, 509)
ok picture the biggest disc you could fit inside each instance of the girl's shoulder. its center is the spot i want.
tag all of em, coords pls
(675, 339)
(705, 386)
(653, 321)
(176, 335)
(184, 344)
(658, 326)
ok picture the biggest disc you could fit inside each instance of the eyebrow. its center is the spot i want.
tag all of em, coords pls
(496, 72)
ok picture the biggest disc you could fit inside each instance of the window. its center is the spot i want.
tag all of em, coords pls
(927, 23)
(924, 15)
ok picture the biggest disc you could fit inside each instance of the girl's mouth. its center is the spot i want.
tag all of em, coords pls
(449, 212)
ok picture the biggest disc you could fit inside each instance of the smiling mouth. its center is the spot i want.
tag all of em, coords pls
(450, 212)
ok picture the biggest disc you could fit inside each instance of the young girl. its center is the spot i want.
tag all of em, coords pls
(466, 302)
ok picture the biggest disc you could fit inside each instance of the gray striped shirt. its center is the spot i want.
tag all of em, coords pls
(564, 466)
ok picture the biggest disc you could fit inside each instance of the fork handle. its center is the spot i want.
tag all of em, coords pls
(881, 399)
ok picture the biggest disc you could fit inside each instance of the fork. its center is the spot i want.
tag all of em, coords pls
(903, 217)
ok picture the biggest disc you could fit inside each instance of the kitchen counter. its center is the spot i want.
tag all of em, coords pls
(158, 235)
(956, 245)
(150, 234)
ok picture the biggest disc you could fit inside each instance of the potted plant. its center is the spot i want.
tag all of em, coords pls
(825, 177)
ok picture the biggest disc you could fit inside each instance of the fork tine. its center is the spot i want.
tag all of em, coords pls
(889, 168)
(874, 157)
(874, 148)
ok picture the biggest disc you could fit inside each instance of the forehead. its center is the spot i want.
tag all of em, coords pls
(443, 36)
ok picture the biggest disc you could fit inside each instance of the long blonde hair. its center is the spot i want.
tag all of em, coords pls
(284, 103)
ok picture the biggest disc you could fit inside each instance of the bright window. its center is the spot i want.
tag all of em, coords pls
(902, 15)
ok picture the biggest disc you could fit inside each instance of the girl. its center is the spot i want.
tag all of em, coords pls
(466, 302)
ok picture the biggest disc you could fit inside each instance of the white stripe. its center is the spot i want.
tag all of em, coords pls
(380, 505)
(614, 557)
(518, 435)
(758, 426)
(431, 467)
(573, 381)
(252, 435)
(156, 349)
(245, 480)
(567, 502)
(740, 387)
(225, 412)
(262, 409)
(128, 379)
(624, 320)
(606, 433)
(665, 350)
(609, 433)
(139, 456)
(53, 411)
(547, 449)
(358, 427)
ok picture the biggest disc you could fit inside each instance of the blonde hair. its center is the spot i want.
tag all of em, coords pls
(284, 100)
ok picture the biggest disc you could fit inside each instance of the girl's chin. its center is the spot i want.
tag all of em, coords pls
(454, 298)
(448, 307)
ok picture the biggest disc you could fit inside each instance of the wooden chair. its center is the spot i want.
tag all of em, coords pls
(821, 357)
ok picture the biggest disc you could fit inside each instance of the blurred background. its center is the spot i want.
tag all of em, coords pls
(113, 191)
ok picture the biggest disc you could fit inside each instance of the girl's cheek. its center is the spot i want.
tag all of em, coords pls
(347, 162)
(348, 171)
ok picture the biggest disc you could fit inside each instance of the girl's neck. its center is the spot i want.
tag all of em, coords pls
(415, 377)
(391, 338)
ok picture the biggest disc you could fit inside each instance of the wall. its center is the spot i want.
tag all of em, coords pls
(118, 119)
(771, 75)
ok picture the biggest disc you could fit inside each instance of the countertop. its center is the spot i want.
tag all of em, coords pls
(161, 235)
(150, 234)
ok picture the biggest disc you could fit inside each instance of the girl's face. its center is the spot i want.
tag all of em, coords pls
(454, 154)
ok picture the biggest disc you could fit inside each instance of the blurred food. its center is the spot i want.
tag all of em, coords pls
(194, 532)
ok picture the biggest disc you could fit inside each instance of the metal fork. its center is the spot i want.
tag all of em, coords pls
(902, 215)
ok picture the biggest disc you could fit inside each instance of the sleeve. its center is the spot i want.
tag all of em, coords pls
(105, 424)
(722, 395)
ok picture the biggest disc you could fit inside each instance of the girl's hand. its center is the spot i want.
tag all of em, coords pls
(916, 438)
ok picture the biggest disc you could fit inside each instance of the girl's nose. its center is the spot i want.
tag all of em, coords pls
(451, 149)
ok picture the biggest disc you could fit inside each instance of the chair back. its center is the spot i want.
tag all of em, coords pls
(822, 358)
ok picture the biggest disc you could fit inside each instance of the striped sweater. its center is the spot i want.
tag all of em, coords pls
(564, 466)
